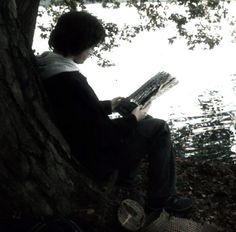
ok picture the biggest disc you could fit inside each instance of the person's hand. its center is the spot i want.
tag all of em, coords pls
(147, 105)
(115, 102)
(140, 112)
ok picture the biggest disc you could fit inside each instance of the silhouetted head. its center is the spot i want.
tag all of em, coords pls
(75, 33)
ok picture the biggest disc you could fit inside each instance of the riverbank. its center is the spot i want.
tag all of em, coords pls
(211, 185)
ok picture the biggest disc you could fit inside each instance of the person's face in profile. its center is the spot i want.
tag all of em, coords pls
(79, 59)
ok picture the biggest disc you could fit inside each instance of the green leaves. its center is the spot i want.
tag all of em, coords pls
(199, 22)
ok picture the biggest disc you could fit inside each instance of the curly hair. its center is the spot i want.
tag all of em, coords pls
(75, 32)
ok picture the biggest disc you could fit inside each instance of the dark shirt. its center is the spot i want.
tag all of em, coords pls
(83, 119)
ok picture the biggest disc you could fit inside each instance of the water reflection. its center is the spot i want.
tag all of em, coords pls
(211, 135)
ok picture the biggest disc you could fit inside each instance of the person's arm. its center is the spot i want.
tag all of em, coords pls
(110, 105)
(107, 106)
(80, 115)
(130, 121)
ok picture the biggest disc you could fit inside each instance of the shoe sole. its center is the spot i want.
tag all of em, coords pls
(178, 211)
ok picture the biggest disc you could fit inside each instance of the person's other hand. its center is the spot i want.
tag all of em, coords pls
(115, 102)
(147, 105)
(140, 112)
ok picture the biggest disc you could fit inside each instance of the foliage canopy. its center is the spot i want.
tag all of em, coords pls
(199, 22)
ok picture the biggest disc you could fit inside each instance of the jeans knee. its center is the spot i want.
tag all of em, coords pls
(153, 126)
(161, 126)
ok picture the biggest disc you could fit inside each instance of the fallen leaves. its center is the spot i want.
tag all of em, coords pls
(212, 185)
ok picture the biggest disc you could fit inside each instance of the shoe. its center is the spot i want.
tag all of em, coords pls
(173, 204)
(178, 204)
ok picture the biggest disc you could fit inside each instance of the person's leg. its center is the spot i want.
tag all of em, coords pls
(133, 152)
(153, 138)
(161, 158)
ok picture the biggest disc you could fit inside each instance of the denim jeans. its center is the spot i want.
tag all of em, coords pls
(151, 140)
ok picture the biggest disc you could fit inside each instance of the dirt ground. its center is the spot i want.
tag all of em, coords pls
(211, 185)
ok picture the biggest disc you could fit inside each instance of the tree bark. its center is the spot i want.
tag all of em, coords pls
(27, 15)
(37, 174)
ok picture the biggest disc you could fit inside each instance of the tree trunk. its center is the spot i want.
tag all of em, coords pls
(27, 15)
(37, 174)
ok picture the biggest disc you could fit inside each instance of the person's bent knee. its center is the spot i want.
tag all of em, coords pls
(161, 125)
(152, 126)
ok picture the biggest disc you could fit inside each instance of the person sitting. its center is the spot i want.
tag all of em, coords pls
(99, 143)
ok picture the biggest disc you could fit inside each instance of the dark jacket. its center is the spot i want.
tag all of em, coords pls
(94, 138)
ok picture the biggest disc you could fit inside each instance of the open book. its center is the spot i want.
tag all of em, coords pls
(153, 88)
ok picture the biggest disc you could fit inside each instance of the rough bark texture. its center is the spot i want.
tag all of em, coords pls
(27, 14)
(37, 174)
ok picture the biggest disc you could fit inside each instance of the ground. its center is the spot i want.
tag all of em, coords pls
(211, 185)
